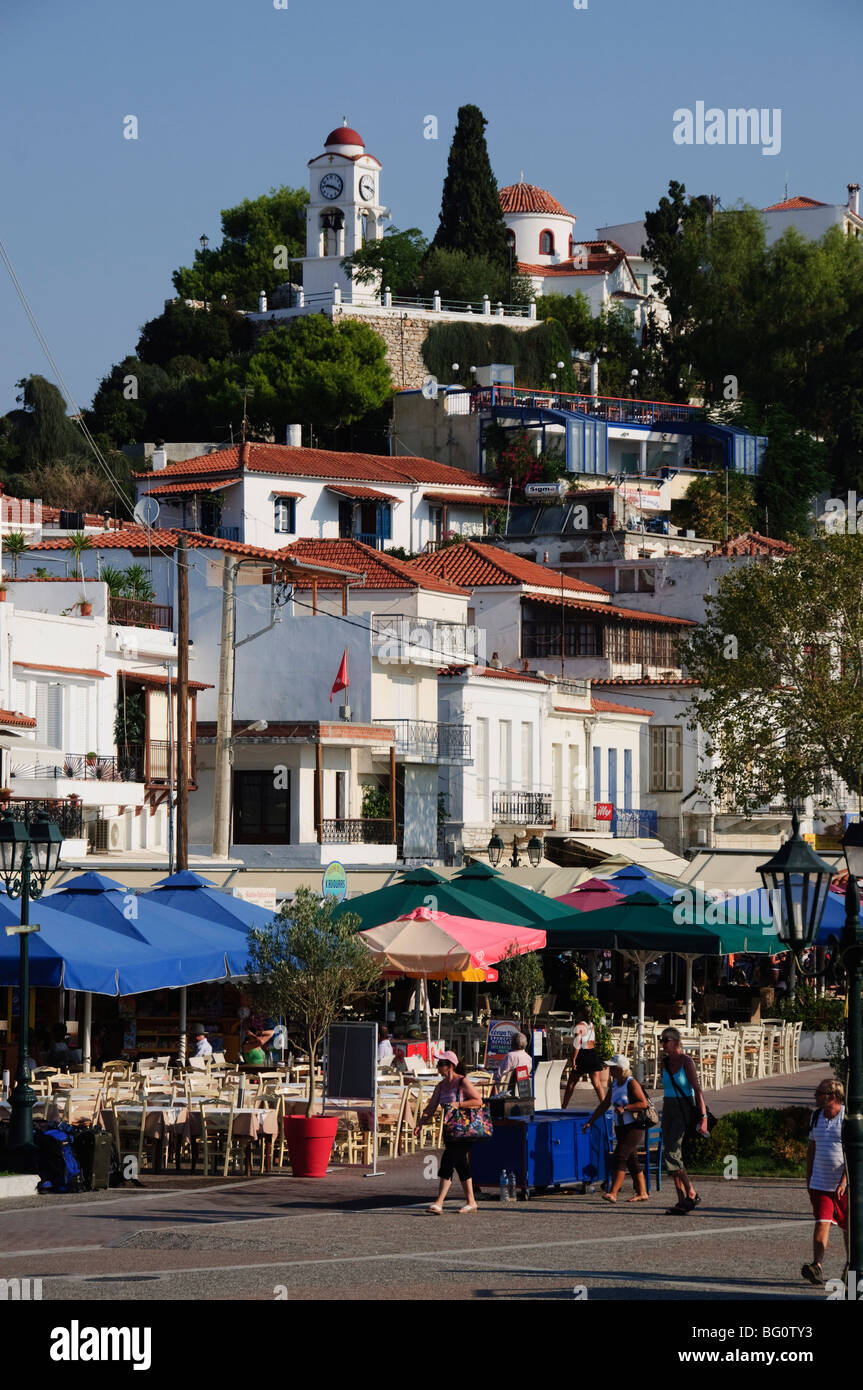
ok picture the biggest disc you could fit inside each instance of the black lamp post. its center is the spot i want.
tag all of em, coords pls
(797, 883)
(203, 242)
(534, 850)
(27, 861)
(852, 1129)
(510, 244)
(495, 850)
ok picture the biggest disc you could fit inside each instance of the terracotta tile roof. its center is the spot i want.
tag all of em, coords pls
(752, 543)
(380, 570)
(620, 681)
(795, 204)
(493, 673)
(527, 197)
(361, 494)
(127, 538)
(64, 670)
(603, 707)
(611, 610)
(475, 565)
(467, 499)
(285, 461)
(213, 486)
(10, 511)
(15, 720)
(145, 678)
(600, 263)
(46, 579)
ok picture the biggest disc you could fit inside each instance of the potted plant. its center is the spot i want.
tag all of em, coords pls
(86, 607)
(90, 759)
(307, 968)
(5, 795)
(2, 592)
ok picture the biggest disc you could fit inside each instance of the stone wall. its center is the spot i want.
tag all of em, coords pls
(404, 338)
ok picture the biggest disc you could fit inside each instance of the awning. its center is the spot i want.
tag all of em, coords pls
(360, 494)
(468, 499)
(182, 488)
(31, 751)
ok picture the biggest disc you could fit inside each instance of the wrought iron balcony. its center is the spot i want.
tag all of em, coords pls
(79, 767)
(521, 808)
(136, 612)
(357, 832)
(68, 815)
(425, 738)
(424, 641)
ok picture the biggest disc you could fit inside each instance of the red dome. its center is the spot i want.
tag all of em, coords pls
(344, 135)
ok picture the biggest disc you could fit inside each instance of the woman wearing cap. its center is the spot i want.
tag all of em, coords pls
(452, 1090)
(627, 1098)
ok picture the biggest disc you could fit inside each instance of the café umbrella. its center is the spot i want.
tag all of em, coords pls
(425, 944)
(186, 891)
(420, 888)
(500, 895)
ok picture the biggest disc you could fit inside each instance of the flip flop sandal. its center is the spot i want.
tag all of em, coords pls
(435, 1210)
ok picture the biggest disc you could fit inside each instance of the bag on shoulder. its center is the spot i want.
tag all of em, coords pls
(467, 1124)
(646, 1119)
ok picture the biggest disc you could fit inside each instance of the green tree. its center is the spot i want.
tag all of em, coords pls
(15, 544)
(573, 312)
(793, 472)
(674, 244)
(312, 372)
(582, 998)
(42, 429)
(307, 967)
(466, 278)
(521, 980)
(183, 333)
(779, 660)
(470, 217)
(703, 509)
(395, 260)
(248, 259)
(129, 403)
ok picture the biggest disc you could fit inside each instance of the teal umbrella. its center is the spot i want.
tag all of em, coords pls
(425, 888)
(502, 895)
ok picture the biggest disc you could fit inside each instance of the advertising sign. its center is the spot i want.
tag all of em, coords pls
(262, 897)
(498, 1040)
(604, 810)
(558, 489)
(335, 883)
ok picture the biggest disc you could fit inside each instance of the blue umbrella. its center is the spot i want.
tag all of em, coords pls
(634, 879)
(185, 951)
(755, 906)
(189, 892)
(70, 955)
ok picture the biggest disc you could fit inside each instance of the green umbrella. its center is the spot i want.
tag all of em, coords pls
(502, 895)
(414, 889)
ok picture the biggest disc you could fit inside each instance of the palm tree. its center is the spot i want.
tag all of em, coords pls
(78, 543)
(15, 544)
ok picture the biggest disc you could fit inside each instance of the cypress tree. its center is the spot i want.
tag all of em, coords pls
(470, 217)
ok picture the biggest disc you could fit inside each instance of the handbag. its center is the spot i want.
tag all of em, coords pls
(646, 1119)
(693, 1118)
(467, 1125)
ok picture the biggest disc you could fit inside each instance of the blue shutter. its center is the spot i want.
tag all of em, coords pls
(384, 521)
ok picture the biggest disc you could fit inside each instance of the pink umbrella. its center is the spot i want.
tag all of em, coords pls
(591, 895)
(439, 944)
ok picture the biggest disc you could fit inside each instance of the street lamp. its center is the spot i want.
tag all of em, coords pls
(797, 883)
(534, 850)
(203, 242)
(510, 246)
(852, 1128)
(27, 861)
(495, 850)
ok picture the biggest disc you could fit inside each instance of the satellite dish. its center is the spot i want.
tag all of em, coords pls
(146, 511)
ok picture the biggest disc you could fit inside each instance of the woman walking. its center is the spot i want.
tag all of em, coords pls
(683, 1102)
(628, 1100)
(586, 1061)
(825, 1175)
(453, 1090)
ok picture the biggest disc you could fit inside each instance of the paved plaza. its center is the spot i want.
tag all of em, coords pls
(349, 1235)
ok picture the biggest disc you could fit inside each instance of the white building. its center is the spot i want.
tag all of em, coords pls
(271, 494)
(811, 218)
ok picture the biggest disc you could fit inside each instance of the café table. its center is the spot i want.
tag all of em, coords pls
(161, 1124)
(246, 1124)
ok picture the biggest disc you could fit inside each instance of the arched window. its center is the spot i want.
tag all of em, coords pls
(546, 243)
(332, 233)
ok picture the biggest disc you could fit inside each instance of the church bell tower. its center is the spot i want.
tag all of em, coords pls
(344, 212)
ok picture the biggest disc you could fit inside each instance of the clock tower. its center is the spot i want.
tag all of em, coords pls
(344, 212)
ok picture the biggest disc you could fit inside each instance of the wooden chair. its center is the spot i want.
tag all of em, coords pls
(708, 1063)
(793, 1046)
(390, 1123)
(728, 1066)
(751, 1050)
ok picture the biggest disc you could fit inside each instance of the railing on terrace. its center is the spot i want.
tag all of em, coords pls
(613, 409)
(427, 738)
(357, 832)
(136, 612)
(522, 808)
(79, 767)
(222, 533)
(765, 806)
(397, 634)
(369, 538)
(633, 824)
(68, 815)
(155, 762)
(483, 307)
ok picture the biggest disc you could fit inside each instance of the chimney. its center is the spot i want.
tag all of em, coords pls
(294, 436)
(244, 454)
(160, 456)
(262, 302)
(854, 198)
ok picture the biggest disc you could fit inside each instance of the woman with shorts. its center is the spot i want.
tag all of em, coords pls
(452, 1090)
(683, 1098)
(586, 1061)
(628, 1100)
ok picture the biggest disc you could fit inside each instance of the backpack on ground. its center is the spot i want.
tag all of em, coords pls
(93, 1150)
(59, 1169)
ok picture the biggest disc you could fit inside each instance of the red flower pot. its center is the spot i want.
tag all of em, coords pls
(310, 1143)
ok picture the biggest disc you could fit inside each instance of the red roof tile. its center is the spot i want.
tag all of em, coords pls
(475, 565)
(610, 610)
(64, 670)
(527, 197)
(467, 499)
(361, 494)
(609, 707)
(644, 680)
(16, 721)
(493, 673)
(751, 543)
(144, 678)
(379, 570)
(213, 486)
(285, 461)
(795, 204)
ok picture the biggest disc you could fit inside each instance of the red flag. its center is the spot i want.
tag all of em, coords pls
(341, 682)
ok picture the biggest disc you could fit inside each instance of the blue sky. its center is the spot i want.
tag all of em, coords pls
(234, 96)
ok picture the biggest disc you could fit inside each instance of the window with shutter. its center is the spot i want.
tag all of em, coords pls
(674, 759)
(657, 759)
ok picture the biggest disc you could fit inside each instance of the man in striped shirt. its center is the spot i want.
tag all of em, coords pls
(825, 1174)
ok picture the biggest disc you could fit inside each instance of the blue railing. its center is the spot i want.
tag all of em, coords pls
(614, 409)
(369, 538)
(633, 824)
(224, 533)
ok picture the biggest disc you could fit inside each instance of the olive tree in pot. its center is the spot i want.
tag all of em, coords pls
(521, 981)
(307, 967)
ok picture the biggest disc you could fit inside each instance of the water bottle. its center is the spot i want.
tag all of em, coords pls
(504, 1187)
(513, 1196)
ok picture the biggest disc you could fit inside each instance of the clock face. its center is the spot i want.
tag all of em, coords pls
(331, 186)
(367, 187)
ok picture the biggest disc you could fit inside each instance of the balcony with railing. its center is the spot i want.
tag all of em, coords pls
(136, 612)
(614, 409)
(152, 764)
(521, 808)
(425, 641)
(357, 831)
(429, 741)
(222, 533)
(370, 538)
(66, 813)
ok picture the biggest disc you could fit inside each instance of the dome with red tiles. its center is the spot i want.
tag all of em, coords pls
(344, 135)
(526, 197)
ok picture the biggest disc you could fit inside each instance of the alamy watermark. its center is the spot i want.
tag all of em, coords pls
(737, 126)
(695, 907)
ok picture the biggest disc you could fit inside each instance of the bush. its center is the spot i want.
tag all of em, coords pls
(582, 997)
(818, 1015)
(762, 1141)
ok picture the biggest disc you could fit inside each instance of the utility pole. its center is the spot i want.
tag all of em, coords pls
(225, 717)
(183, 749)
